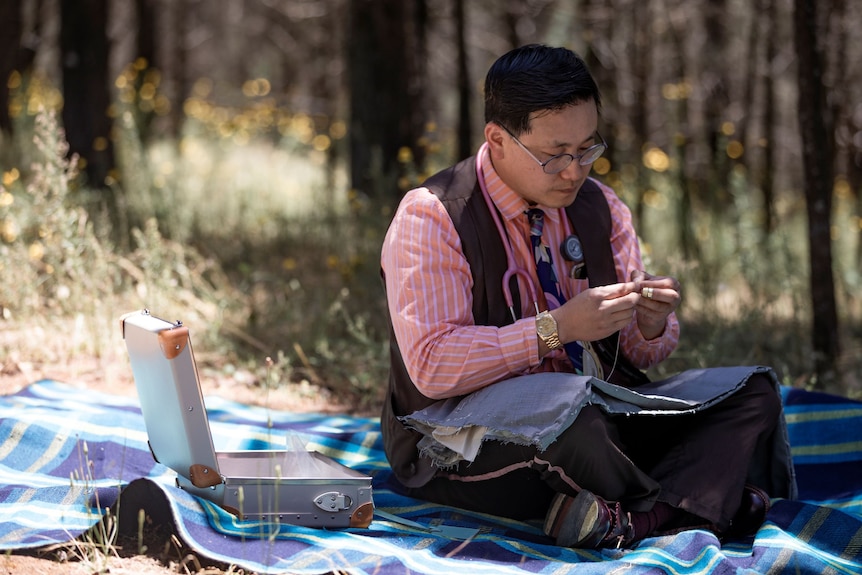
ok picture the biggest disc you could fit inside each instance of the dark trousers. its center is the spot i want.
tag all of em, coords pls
(697, 462)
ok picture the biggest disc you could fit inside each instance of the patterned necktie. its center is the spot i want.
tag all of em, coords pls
(548, 280)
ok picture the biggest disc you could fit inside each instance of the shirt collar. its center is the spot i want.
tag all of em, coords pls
(510, 204)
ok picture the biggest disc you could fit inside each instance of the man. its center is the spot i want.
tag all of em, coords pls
(461, 323)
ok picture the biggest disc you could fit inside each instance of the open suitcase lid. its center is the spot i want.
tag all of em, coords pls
(169, 390)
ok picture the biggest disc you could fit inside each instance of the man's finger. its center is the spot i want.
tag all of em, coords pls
(614, 291)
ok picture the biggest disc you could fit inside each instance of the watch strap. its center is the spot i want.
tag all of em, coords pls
(552, 341)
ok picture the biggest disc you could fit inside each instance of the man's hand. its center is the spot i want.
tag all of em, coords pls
(597, 312)
(659, 297)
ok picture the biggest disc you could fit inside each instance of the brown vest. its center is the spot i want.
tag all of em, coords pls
(458, 190)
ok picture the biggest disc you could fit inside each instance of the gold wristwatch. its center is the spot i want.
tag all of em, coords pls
(546, 327)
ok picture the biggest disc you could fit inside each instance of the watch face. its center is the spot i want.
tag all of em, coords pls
(545, 324)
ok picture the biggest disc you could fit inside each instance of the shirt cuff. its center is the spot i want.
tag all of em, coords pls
(645, 353)
(518, 344)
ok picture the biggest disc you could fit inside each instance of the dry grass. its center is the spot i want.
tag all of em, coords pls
(289, 313)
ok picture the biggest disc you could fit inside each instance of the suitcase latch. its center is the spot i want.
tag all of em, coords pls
(333, 501)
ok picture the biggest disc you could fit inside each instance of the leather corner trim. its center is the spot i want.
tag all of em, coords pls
(173, 341)
(362, 516)
(203, 476)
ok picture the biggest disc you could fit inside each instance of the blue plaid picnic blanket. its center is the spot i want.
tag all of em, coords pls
(67, 454)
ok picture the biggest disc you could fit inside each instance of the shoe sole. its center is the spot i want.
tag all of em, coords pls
(585, 506)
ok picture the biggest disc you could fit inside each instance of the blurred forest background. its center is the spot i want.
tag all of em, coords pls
(235, 163)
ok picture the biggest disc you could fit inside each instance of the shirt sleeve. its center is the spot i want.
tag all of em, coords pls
(429, 295)
(641, 352)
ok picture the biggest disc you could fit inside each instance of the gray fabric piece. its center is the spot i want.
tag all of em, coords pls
(534, 409)
(686, 392)
(528, 410)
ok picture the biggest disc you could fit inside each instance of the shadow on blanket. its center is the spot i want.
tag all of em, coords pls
(67, 454)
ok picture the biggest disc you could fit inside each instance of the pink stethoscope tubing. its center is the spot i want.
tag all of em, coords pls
(512, 268)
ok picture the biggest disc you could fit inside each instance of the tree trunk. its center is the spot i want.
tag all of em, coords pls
(15, 56)
(10, 45)
(179, 67)
(600, 29)
(714, 176)
(465, 120)
(386, 93)
(84, 54)
(146, 44)
(642, 72)
(688, 183)
(417, 74)
(512, 13)
(845, 108)
(767, 179)
(815, 123)
(146, 49)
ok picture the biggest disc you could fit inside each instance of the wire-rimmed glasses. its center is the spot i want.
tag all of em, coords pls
(558, 163)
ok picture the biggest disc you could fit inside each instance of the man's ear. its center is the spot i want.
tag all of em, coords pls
(494, 135)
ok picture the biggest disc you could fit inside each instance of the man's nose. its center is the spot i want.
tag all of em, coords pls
(575, 171)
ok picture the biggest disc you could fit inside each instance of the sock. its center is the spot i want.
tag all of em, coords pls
(645, 523)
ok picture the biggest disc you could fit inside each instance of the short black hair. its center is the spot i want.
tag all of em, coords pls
(532, 78)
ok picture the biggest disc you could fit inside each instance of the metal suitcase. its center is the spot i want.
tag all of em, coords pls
(253, 485)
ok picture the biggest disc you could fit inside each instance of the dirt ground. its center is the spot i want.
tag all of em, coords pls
(163, 552)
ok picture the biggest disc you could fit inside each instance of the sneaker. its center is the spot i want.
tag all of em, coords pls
(586, 521)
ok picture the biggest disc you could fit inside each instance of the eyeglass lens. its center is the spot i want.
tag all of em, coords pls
(559, 163)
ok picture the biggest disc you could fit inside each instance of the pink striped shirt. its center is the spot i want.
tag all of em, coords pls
(429, 289)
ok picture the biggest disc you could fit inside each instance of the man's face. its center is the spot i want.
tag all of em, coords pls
(570, 130)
